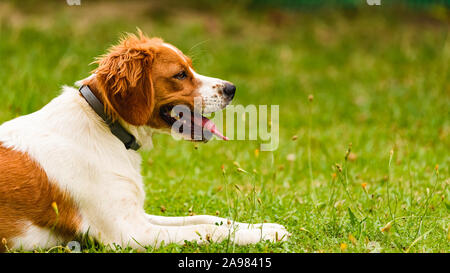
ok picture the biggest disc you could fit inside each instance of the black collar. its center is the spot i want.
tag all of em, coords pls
(116, 128)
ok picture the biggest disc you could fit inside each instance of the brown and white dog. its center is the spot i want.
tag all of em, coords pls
(63, 173)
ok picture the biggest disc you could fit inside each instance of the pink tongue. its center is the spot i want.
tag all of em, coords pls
(210, 126)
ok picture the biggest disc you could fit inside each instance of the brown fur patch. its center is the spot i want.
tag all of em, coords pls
(124, 79)
(27, 195)
(136, 78)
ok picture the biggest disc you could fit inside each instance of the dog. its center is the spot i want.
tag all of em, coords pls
(73, 167)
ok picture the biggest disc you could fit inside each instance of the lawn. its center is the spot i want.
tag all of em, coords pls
(364, 98)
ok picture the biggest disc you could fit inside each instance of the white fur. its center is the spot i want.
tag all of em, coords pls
(211, 91)
(36, 237)
(79, 153)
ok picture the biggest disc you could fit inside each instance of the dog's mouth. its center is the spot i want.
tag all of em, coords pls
(192, 125)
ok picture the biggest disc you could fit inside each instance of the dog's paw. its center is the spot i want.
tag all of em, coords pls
(252, 236)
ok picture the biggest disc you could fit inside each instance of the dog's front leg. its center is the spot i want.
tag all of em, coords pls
(203, 233)
(139, 233)
(208, 219)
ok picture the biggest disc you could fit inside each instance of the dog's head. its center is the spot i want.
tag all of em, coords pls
(141, 80)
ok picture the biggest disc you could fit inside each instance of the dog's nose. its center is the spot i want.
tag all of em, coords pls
(229, 90)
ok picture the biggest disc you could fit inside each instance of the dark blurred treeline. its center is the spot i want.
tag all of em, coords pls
(255, 4)
(348, 3)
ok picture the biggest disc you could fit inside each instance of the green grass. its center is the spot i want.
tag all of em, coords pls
(380, 81)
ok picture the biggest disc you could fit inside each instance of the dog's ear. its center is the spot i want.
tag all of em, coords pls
(124, 78)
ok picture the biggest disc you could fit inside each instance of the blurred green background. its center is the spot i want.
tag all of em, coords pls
(378, 76)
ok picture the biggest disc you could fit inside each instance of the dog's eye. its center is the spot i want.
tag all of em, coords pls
(180, 76)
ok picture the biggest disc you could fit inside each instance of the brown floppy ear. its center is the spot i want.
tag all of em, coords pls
(124, 78)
